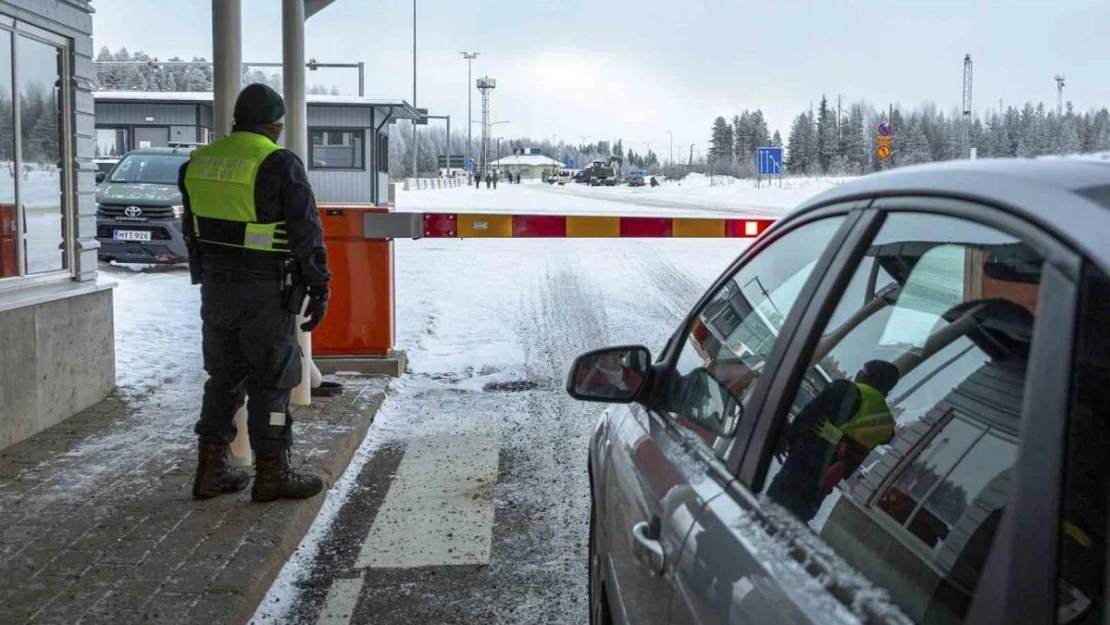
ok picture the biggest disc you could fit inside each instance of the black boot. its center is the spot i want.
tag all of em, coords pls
(214, 475)
(274, 478)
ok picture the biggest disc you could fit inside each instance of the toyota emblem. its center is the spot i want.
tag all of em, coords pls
(133, 211)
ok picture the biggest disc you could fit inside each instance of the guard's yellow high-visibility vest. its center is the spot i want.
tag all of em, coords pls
(871, 425)
(220, 182)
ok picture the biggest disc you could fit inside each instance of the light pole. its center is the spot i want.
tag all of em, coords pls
(415, 146)
(671, 134)
(469, 56)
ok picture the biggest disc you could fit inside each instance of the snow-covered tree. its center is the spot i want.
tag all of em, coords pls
(720, 143)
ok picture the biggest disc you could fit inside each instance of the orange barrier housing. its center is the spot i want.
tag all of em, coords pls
(9, 264)
(361, 320)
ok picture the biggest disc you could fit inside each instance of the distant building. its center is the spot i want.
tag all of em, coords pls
(531, 165)
(348, 136)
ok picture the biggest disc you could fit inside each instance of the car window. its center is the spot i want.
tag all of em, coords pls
(731, 336)
(898, 446)
(149, 168)
(1081, 595)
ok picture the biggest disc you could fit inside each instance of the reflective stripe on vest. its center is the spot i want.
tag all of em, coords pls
(872, 425)
(220, 181)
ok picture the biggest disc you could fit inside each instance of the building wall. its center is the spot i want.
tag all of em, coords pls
(58, 359)
(145, 113)
(347, 186)
(58, 355)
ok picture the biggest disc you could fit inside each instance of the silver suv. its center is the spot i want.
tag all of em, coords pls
(890, 409)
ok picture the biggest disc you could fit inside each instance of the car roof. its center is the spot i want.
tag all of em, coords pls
(185, 149)
(1067, 196)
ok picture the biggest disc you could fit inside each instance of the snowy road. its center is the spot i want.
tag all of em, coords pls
(468, 501)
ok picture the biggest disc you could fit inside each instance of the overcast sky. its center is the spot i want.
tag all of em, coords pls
(611, 69)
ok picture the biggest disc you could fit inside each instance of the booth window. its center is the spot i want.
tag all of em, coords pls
(33, 205)
(336, 149)
(383, 153)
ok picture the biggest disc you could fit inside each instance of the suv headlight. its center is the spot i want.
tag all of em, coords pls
(178, 211)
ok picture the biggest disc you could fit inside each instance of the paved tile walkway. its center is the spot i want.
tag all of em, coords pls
(97, 523)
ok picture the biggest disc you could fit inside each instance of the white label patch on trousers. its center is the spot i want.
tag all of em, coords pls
(277, 418)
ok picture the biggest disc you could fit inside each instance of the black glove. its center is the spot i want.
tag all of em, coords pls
(317, 307)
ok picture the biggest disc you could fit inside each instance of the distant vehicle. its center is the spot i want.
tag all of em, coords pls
(103, 167)
(139, 208)
(636, 181)
(563, 177)
(862, 420)
(603, 173)
(581, 177)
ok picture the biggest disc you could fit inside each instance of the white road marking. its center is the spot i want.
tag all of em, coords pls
(340, 604)
(439, 508)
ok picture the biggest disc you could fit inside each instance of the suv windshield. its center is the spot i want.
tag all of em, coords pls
(149, 168)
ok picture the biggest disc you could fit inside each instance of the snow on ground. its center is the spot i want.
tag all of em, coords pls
(695, 195)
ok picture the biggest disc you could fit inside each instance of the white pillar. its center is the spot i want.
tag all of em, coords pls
(227, 74)
(296, 140)
(227, 57)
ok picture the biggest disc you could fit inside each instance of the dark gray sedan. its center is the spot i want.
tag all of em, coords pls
(892, 408)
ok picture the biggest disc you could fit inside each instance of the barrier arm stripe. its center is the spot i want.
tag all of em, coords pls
(498, 225)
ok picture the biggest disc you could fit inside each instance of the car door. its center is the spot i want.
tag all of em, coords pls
(894, 439)
(666, 459)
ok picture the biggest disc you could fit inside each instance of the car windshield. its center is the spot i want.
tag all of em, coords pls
(149, 168)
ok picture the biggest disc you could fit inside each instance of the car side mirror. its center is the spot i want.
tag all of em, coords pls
(100, 177)
(614, 375)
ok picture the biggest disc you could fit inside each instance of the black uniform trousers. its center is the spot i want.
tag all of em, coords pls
(250, 348)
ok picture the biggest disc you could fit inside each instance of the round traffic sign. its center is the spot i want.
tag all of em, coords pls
(883, 151)
(884, 129)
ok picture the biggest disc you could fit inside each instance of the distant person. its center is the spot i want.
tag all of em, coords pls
(478, 180)
(495, 180)
(654, 182)
(489, 179)
(518, 177)
(831, 437)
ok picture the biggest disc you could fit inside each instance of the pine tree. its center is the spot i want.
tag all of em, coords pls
(720, 143)
(826, 135)
(915, 146)
(194, 80)
(776, 140)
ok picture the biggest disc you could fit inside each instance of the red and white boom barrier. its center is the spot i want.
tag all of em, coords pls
(496, 225)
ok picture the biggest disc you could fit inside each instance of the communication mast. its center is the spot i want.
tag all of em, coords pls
(485, 85)
(965, 130)
(1059, 95)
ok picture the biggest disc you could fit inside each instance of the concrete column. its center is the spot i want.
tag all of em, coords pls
(227, 57)
(296, 140)
(227, 72)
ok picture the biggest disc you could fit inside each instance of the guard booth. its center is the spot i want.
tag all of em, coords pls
(348, 136)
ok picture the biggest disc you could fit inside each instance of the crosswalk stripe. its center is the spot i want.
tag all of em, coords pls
(340, 604)
(439, 508)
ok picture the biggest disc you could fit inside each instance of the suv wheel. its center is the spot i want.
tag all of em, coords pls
(599, 602)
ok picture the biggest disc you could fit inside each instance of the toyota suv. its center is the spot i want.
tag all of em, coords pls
(139, 208)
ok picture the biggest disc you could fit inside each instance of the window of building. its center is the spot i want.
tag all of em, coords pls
(112, 142)
(383, 153)
(899, 445)
(731, 337)
(33, 205)
(336, 149)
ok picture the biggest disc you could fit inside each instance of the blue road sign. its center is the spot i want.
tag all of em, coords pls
(884, 129)
(570, 163)
(470, 163)
(769, 160)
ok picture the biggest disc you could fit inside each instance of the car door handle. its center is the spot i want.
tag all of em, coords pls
(646, 547)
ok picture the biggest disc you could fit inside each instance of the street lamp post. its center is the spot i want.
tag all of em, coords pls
(469, 56)
(415, 146)
(672, 147)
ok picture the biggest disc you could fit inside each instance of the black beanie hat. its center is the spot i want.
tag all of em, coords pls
(258, 104)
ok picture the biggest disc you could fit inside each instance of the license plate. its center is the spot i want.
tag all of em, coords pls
(131, 235)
